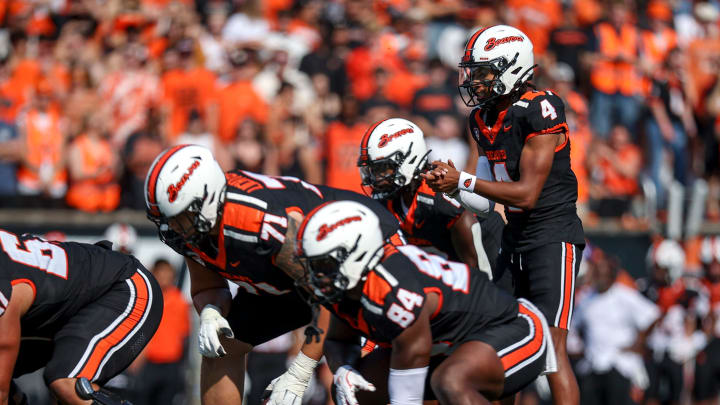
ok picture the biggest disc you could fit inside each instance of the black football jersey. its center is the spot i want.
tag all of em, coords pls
(554, 217)
(65, 277)
(428, 219)
(254, 223)
(395, 290)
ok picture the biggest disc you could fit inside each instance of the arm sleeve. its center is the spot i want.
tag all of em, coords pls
(406, 387)
(476, 203)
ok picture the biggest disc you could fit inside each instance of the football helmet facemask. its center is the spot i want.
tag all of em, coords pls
(499, 58)
(184, 185)
(338, 243)
(392, 155)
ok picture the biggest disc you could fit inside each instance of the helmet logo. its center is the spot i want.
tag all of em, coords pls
(174, 189)
(385, 138)
(492, 42)
(326, 229)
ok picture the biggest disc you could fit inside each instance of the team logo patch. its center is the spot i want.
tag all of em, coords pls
(467, 182)
(326, 229)
(385, 138)
(174, 189)
(493, 42)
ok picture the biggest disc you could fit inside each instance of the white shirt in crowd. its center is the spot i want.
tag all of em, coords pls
(611, 322)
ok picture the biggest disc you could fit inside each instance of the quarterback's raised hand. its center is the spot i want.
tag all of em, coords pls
(347, 382)
(212, 324)
(443, 177)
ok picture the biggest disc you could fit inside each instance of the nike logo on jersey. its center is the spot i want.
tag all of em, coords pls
(507, 128)
(419, 224)
(235, 264)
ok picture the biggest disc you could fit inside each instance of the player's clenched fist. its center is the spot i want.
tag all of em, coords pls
(212, 324)
(348, 381)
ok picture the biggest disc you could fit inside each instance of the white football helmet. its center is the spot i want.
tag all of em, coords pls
(710, 249)
(668, 255)
(502, 50)
(392, 155)
(185, 178)
(338, 243)
(122, 236)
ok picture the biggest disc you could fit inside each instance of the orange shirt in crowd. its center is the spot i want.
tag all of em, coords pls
(167, 344)
(402, 86)
(615, 182)
(13, 97)
(128, 96)
(95, 189)
(183, 91)
(236, 102)
(360, 70)
(609, 75)
(44, 145)
(342, 148)
(536, 18)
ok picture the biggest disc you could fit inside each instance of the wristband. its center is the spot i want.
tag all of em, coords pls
(466, 182)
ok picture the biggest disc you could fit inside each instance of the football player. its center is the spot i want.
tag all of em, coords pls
(240, 226)
(523, 134)
(392, 156)
(79, 310)
(490, 345)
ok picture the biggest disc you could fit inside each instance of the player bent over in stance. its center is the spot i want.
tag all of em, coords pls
(524, 137)
(240, 226)
(422, 305)
(79, 310)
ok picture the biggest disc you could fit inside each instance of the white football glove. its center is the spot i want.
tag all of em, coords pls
(288, 389)
(212, 323)
(348, 381)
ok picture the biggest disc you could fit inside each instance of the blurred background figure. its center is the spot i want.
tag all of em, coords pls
(613, 321)
(122, 236)
(163, 374)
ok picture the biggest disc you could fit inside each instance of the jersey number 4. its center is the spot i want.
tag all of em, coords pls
(36, 253)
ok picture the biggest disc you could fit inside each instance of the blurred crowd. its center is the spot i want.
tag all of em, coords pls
(91, 91)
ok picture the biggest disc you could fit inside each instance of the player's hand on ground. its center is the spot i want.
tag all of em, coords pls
(443, 177)
(288, 389)
(213, 324)
(347, 382)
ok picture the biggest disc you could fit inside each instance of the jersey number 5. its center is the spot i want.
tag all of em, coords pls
(37, 253)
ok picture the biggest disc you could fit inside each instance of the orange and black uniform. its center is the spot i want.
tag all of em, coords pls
(252, 232)
(428, 219)
(470, 308)
(541, 246)
(93, 312)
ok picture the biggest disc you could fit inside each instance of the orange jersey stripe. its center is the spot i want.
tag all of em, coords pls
(528, 349)
(567, 287)
(105, 344)
(242, 217)
(376, 288)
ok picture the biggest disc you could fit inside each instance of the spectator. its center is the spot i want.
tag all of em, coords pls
(447, 141)
(614, 169)
(163, 373)
(93, 168)
(570, 43)
(341, 146)
(250, 152)
(614, 321)
(186, 86)
(669, 124)
(139, 153)
(614, 77)
(238, 99)
(437, 97)
(43, 137)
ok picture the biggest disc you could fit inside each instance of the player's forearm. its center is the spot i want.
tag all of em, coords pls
(515, 193)
(220, 297)
(9, 347)
(339, 353)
